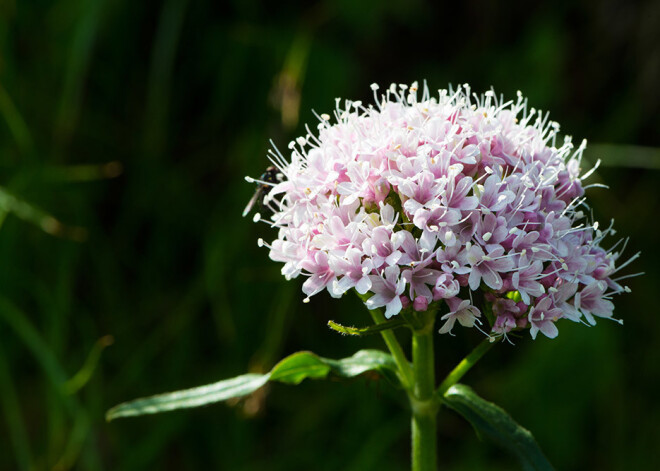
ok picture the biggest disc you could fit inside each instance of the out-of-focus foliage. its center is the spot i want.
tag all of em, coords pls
(133, 123)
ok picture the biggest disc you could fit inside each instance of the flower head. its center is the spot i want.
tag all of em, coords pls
(420, 200)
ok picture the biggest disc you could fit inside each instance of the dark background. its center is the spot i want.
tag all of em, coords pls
(133, 124)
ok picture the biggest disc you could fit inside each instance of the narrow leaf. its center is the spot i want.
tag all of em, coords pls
(32, 214)
(495, 423)
(372, 329)
(81, 378)
(17, 436)
(187, 398)
(291, 370)
(15, 121)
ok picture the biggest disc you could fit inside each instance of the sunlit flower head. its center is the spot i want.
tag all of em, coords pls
(457, 198)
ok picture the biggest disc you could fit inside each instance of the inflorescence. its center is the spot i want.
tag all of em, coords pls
(416, 201)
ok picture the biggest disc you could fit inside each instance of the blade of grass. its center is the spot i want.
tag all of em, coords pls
(276, 330)
(81, 173)
(33, 341)
(54, 372)
(12, 411)
(160, 75)
(287, 87)
(82, 45)
(38, 217)
(85, 373)
(15, 122)
(72, 449)
(162, 336)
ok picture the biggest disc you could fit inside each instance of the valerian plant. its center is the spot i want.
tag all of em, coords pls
(451, 209)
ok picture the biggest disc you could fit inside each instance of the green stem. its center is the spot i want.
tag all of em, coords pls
(464, 366)
(422, 399)
(405, 370)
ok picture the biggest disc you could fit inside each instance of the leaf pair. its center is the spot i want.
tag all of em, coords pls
(487, 419)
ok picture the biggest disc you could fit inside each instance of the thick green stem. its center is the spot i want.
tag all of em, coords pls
(406, 372)
(464, 366)
(423, 400)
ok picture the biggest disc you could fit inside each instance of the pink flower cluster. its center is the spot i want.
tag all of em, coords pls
(414, 201)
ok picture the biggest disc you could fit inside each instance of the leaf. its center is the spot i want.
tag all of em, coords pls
(363, 361)
(17, 436)
(11, 204)
(291, 370)
(81, 378)
(45, 357)
(187, 398)
(15, 122)
(294, 368)
(495, 423)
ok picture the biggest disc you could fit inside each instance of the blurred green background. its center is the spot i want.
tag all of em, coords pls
(133, 124)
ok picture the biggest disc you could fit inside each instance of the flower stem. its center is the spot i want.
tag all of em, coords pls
(464, 366)
(405, 370)
(422, 399)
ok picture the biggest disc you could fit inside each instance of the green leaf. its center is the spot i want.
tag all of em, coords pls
(294, 368)
(15, 122)
(372, 329)
(291, 370)
(495, 423)
(17, 436)
(10, 203)
(81, 378)
(363, 361)
(187, 398)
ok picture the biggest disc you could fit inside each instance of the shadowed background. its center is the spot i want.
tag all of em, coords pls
(125, 131)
